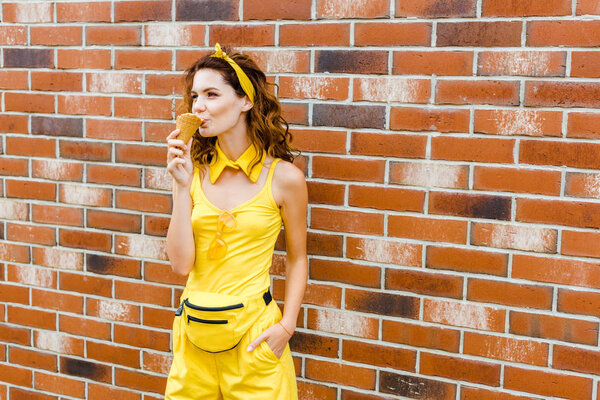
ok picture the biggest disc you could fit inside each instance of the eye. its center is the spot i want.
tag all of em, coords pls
(194, 96)
(211, 94)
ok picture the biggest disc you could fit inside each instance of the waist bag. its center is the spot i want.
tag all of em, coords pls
(216, 322)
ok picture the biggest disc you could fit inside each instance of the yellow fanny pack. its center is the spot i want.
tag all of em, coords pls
(217, 322)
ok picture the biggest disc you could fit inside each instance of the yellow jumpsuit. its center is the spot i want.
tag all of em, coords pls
(233, 374)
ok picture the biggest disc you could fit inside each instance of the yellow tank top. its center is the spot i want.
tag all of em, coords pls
(245, 268)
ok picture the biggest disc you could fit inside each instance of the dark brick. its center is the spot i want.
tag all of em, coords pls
(382, 303)
(414, 387)
(309, 343)
(479, 34)
(470, 205)
(349, 116)
(85, 369)
(562, 94)
(435, 8)
(352, 61)
(29, 58)
(206, 10)
(72, 127)
(99, 264)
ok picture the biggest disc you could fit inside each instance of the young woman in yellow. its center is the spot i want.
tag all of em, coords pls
(233, 187)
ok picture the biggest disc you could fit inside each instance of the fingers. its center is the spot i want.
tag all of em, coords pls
(256, 342)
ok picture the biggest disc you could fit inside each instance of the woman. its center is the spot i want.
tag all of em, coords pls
(233, 186)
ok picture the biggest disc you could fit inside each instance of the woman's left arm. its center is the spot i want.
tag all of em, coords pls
(293, 194)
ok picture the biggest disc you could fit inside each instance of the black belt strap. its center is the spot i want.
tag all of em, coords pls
(266, 297)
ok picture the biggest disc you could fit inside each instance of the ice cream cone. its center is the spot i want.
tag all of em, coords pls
(187, 124)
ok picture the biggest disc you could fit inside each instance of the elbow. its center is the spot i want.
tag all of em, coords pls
(181, 269)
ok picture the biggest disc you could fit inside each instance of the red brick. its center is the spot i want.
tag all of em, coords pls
(160, 273)
(29, 102)
(563, 33)
(84, 327)
(500, 8)
(102, 392)
(554, 327)
(113, 354)
(388, 145)
(562, 94)
(430, 229)
(440, 63)
(85, 284)
(346, 221)
(468, 393)
(343, 322)
(570, 213)
(584, 64)
(83, 12)
(506, 349)
(392, 34)
(547, 383)
(275, 10)
(84, 105)
(57, 301)
(477, 92)
(122, 222)
(576, 243)
(99, 241)
(380, 356)
(17, 393)
(511, 294)
(514, 237)
(75, 58)
(435, 120)
(277, 61)
(383, 251)
(55, 35)
(556, 270)
(343, 374)
(345, 272)
(518, 180)
(583, 125)
(470, 205)
(59, 384)
(33, 359)
(519, 122)
(142, 11)
(318, 294)
(319, 140)
(577, 155)
(472, 149)
(324, 244)
(56, 81)
(309, 343)
(158, 317)
(331, 9)
(31, 190)
(464, 314)
(141, 337)
(578, 360)
(16, 375)
(31, 317)
(479, 34)
(309, 390)
(306, 87)
(307, 34)
(146, 59)
(460, 369)
(429, 174)
(523, 63)
(134, 200)
(579, 302)
(435, 8)
(113, 35)
(432, 284)
(14, 253)
(587, 7)
(582, 185)
(431, 337)
(14, 294)
(140, 381)
(143, 293)
(326, 193)
(385, 198)
(242, 35)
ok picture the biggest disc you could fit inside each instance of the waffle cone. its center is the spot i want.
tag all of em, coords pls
(187, 124)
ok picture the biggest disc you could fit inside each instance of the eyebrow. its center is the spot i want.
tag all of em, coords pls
(207, 89)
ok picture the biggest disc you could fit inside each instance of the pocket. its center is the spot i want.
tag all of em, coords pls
(268, 351)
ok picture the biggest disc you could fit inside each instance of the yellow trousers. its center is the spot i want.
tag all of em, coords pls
(233, 374)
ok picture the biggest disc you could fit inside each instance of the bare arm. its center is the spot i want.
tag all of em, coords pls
(181, 248)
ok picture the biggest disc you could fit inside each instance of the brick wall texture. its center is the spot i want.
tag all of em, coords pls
(453, 164)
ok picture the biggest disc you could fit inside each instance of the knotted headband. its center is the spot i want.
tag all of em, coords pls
(242, 77)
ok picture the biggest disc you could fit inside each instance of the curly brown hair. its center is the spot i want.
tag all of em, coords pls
(267, 129)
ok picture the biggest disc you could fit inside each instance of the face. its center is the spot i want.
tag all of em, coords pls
(214, 100)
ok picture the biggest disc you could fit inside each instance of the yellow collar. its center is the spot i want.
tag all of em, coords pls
(221, 161)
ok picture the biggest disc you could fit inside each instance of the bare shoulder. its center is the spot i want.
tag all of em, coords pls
(288, 181)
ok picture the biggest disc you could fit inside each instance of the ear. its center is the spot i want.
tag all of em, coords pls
(247, 104)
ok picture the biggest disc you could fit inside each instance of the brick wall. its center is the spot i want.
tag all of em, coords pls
(450, 151)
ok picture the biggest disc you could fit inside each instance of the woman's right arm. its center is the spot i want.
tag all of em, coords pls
(181, 248)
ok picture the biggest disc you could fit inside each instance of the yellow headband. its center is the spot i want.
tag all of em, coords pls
(242, 77)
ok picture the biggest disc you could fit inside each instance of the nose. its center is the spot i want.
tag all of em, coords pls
(198, 105)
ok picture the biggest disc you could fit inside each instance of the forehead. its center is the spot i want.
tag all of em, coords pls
(205, 78)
